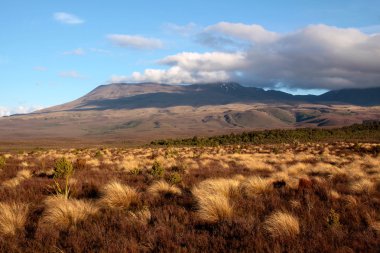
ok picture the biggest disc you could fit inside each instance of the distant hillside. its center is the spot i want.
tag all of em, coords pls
(151, 95)
(139, 113)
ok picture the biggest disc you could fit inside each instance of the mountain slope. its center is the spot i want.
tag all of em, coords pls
(138, 113)
(151, 95)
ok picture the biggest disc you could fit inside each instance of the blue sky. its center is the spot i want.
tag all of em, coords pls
(55, 51)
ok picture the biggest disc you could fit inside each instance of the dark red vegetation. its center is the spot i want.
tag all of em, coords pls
(175, 227)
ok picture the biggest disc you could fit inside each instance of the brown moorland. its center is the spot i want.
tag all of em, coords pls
(309, 197)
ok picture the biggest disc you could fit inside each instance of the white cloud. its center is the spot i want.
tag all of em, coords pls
(22, 109)
(183, 30)
(40, 68)
(77, 51)
(315, 57)
(190, 68)
(135, 41)
(254, 33)
(71, 74)
(67, 18)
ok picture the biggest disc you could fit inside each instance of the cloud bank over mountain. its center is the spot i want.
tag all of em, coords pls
(314, 57)
(6, 111)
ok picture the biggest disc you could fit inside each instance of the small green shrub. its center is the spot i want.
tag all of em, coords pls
(63, 169)
(157, 169)
(98, 154)
(175, 178)
(333, 219)
(135, 171)
(2, 161)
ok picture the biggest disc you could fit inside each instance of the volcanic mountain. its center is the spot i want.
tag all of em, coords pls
(137, 113)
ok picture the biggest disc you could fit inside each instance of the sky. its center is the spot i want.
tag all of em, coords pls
(54, 51)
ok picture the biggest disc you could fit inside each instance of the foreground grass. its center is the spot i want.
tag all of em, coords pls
(310, 197)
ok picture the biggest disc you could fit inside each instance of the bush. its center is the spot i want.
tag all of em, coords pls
(333, 219)
(63, 169)
(175, 178)
(2, 161)
(157, 169)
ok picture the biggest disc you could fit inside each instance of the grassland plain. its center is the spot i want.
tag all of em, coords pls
(296, 197)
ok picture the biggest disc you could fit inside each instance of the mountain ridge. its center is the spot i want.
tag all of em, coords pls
(145, 95)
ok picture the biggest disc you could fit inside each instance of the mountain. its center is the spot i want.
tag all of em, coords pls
(138, 113)
(152, 95)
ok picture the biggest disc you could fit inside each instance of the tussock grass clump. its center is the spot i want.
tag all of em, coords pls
(212, 196)
(362, 186)
(12, 217)
(118, 196)
(282, 225)
(63, 213)
(143, 216)
(255, 185)
(214, 208)
(218, 186)
(163, 188)
(21, 176)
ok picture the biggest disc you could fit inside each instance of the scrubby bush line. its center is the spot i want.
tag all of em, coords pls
(368, 131)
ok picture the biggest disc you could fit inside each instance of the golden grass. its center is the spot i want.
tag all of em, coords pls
(63, 213)
(162, 188)
(119, 196)
(217, 186)
(255, 185)
(212, 196)
(143, 216)
(375, 225)
(362, 186)
(21, 176)
(282, 225)
(213, 208)
(12, 217)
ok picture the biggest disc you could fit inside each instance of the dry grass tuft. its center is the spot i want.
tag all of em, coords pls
(255, 185)
(21, 176)
(214, 208)
(376, 226)
(282, 225)
(12, 217)
(362, 186)
(143, 216)
(163, 188)
(119, 196)
(63, 213)
(218, 186)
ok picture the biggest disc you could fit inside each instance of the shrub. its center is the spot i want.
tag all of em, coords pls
(333, 219)
(175, 178)
(282, 225)
(13, 217)
(63, 169)
(157, 169)
(64, 213)
(2, 161)
(163, 188)
(118, 196)
(135, 171)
